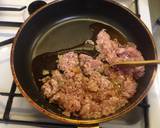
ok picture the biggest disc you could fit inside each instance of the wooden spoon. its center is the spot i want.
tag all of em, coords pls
(137, 63)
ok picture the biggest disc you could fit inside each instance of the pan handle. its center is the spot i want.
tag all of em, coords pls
(35, 5)
(89, 126)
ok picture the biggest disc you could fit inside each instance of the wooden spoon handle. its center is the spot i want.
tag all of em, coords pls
(137, 63)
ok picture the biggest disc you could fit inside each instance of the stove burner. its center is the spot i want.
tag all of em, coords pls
(144, 106)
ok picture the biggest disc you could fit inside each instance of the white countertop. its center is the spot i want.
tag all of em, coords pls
(154, 93)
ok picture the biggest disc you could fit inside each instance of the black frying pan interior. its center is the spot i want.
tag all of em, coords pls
(66, 24)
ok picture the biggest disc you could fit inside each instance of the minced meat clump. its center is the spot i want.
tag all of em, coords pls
(87, 87)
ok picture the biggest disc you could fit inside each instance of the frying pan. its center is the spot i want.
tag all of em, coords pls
(64, 24)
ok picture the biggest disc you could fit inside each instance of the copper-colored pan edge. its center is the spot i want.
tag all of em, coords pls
(73, 121)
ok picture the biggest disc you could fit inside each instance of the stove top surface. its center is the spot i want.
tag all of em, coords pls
(14, 109)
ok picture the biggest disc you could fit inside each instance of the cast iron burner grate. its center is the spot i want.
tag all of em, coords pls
(12, 94)
(6, 115)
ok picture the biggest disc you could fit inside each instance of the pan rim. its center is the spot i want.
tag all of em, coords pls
(74, 121)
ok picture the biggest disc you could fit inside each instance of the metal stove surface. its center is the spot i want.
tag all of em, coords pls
(21, 110)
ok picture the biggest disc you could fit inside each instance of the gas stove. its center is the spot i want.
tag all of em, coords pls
(15, 109)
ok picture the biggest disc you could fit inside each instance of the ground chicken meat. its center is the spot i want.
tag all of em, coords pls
(50, 88)
(91, 109)
(106, 47)
(87, 87)
(68, 63)
(112, 52)
(89, 64)
(113, 104)
(129, 87)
